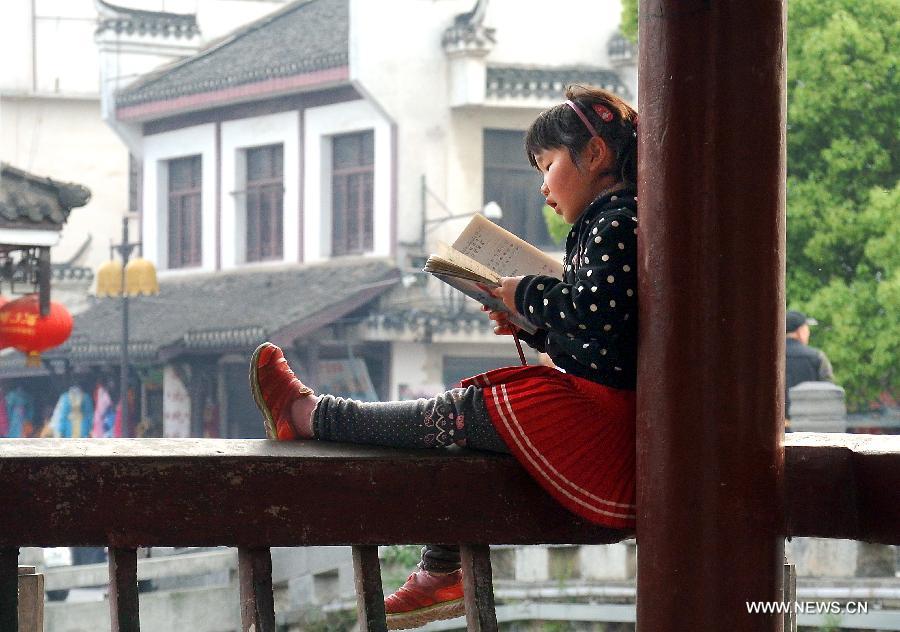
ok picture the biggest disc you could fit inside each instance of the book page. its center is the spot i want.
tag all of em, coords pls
(456, 258)
(476, 290)
(502, 252)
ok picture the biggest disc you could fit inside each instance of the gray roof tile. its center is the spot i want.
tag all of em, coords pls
(228, 310)
(302, 37)
(29, 199)
(548, 82)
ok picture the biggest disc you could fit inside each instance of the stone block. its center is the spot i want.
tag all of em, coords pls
(818, 407)
(606, 561)
(818, 557)
(532, 564)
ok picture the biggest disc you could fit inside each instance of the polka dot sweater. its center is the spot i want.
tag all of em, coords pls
(588, 320)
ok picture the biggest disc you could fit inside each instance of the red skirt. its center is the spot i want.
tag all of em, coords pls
(574, 436)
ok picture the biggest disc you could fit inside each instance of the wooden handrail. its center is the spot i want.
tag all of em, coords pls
(843, 486)
(257, 493)
(254, 494)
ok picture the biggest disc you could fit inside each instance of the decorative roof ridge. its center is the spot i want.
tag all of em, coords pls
(468, 32)
(126, 19)
(115, 10)
(69, 194)
(212, 47)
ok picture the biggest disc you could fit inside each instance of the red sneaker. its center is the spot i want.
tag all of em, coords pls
(275, 388)
(425, 597)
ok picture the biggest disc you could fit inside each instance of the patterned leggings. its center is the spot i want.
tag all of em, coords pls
(457, 416)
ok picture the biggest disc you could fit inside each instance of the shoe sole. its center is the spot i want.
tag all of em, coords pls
(269, 421)
(418, 618)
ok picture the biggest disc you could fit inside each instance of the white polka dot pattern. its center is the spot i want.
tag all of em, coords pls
(588, 325)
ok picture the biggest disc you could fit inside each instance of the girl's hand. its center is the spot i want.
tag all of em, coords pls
(507, 291)
(502, 326)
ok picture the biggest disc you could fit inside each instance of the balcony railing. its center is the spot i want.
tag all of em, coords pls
(254, 494)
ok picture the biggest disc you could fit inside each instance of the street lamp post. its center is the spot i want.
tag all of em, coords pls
(131, 277)
(491, 210)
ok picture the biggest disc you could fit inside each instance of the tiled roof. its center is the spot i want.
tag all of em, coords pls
(225, 311)
(124, 20)
(303, 37)
(548, 82)
(29, 199)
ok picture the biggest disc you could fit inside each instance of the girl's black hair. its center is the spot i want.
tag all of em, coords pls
(560, 126)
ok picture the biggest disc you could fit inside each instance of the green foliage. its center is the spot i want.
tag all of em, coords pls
(314, 620)
(832, 623)
(556, 225)
(843, 205)
(629, 25)
(397, 561)
(843, 231)
(406, 555)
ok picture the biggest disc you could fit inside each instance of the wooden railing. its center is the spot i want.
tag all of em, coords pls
(254, 494)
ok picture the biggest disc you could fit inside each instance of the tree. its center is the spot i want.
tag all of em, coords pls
(843, 229)
(843, 196)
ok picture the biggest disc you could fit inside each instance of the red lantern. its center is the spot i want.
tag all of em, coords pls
(22, 327)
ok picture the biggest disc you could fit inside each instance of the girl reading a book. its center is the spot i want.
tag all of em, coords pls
(570, 426)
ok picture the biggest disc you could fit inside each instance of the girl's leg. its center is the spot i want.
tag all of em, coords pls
(292, 411)
(457, 416)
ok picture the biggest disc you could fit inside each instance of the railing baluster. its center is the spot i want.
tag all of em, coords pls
(479, 587)
(369, 593)
(257, 600)
(9, 589)
(123, 590)
(31, 600)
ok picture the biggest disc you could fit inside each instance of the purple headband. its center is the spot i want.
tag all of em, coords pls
(601, 110)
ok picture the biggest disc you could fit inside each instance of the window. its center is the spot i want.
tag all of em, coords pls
(514, 184)
(265, 203)
(184, 212)
(352, 193)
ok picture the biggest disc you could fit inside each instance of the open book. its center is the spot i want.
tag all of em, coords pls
(482, 254)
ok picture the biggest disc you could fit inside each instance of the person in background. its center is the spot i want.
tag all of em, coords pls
(20, 412)
(802, 362)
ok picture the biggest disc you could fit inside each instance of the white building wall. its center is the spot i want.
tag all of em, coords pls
(65, 139)
(282, 128)
(570, 32)
(47, 47)
(409, 78)
(50, 117)
(158, 149)
(320, 125)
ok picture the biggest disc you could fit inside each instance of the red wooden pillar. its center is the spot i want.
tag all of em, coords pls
(710, 395)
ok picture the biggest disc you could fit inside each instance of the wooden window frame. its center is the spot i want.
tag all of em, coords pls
(353, 226)
(185, 215)
(265, 228)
